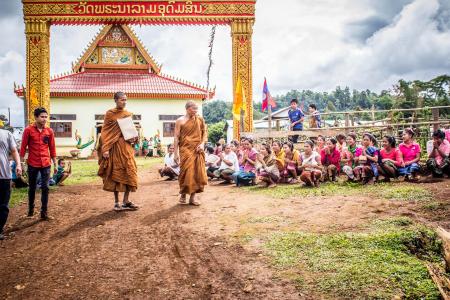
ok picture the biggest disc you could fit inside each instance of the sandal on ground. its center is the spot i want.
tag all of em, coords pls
(194, 203)
(117, 207)
(130, 205)
(182, 200)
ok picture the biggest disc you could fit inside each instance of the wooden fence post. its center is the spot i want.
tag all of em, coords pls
(435, 113)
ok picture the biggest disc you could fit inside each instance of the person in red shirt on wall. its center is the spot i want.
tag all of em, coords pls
(40, 142)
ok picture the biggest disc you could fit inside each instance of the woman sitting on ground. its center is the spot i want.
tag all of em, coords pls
(411, 156)
(247, 175)
(438, 160)
(341, 145)
(228, 164)
(278, 152)
(390, 159)
(291, 163)
(171, 169)
(348, 157)
(267, 169)
(331, 160)
(310, 165)
(367, 158)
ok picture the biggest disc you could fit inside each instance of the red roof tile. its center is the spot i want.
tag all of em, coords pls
(135, 84)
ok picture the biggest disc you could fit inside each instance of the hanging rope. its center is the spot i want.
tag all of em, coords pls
(211, 46)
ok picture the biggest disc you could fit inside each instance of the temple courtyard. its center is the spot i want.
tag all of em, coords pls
(248, 243)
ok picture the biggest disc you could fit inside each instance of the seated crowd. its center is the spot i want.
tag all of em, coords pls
(366, 160)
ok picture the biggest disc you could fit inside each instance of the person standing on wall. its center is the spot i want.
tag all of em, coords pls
(296, 117)
(39, 140)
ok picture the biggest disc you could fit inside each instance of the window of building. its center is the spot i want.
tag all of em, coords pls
(168, 129)
(62, 129)
(102, 117)
(169, 117)
(63, 117)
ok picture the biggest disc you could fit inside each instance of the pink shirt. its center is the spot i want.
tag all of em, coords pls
(248, 167)
(444, 148)
(409, 152)
(447, 134)
(395, 155)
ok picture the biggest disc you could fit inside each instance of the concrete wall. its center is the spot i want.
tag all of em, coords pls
(86, 109)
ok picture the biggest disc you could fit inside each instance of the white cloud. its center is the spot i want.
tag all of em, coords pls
(308, 44)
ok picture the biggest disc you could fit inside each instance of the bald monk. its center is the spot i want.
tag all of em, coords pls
(190, 138)
(116, 156)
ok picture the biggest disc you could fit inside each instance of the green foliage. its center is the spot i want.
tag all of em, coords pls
(218, 111)
(379, 264)
(216, 132)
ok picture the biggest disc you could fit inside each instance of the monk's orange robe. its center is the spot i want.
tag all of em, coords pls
(119, 171)
(192, 178)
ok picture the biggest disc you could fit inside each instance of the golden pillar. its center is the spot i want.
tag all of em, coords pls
(241, 34)
(38, 66)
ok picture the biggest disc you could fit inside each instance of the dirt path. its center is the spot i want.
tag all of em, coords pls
(157, 252)
(165, 250)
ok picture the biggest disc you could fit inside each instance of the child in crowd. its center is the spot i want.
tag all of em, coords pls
(314, 117)
(137, 147)
(247, 175)
(291, 163)
(212, 162)
(18, 182)
(228, 164)
(218, 149)
(278, 152)
(310, 166)
(171, 168)
(331, 160)
(145, 147)
(296, 117)
(367, 159)
(390, 159)
(61, 173)
(267, 169)
(348, 157)
(411, 156)
(438, 160)
(341, 145)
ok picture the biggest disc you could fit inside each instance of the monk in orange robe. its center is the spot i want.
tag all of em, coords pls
(190, 138)
(117, 165)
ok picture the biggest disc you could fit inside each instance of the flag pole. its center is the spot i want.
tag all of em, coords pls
(270, 121)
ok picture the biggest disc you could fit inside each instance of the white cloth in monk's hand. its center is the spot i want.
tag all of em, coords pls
(170, 162)
(212, 160)
(230, 157)
(128, 128)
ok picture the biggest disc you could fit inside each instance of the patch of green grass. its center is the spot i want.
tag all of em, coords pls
(18, 196)
(390, 191)
(378, 264)
(433, 206)
(407, 193)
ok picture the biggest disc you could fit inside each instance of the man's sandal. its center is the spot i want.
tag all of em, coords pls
(130, 205)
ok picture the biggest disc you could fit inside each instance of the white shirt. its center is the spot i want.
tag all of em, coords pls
(212, 160)
(311, 160)
(231, 157)
(170, 162)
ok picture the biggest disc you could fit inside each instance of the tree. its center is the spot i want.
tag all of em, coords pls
(216, 132)
(217, 111)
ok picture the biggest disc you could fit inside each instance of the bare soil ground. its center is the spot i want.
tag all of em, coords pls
(170, 251)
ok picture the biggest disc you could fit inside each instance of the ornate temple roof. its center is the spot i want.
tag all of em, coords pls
(114, 61)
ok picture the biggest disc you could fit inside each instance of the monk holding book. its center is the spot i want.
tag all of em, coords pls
(117, 165)
(190, 138)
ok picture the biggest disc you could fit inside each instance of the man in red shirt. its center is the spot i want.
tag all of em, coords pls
(40, 142)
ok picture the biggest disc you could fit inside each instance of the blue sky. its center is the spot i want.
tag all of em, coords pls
(301, 44)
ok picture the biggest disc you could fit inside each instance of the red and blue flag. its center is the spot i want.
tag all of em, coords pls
(267, 98)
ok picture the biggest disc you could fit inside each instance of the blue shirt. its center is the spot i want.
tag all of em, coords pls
(294, 116)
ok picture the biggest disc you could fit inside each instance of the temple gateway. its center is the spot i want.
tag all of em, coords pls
(116, 60)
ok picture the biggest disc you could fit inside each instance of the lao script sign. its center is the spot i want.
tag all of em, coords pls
(56, 10)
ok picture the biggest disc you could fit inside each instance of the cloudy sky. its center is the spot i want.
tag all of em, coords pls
(299, 44)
